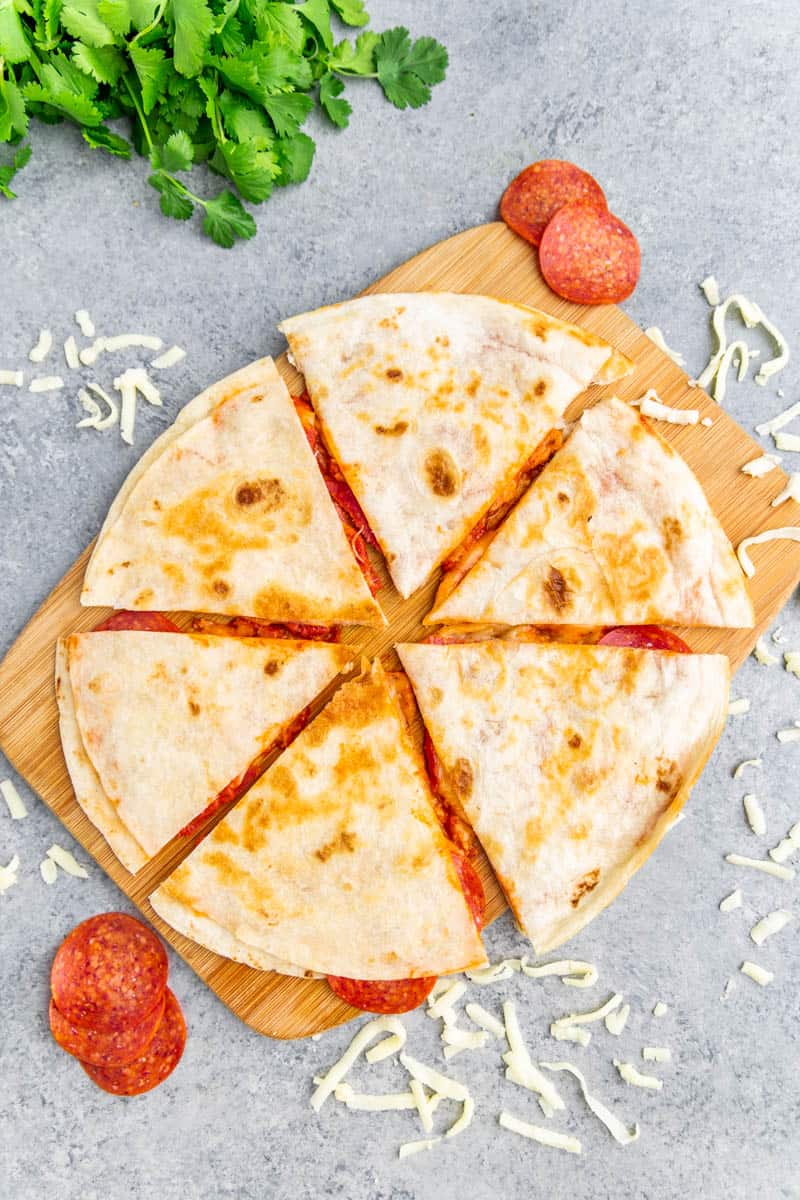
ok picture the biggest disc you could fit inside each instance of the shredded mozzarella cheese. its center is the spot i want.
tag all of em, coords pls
(495, 972)
(478, 1014)
(444, 1003)
(71, 354)
(655, 335)
(461, 1122)
(732, 901)
(596, 1014)
(616, 1021)
(426, 1106)
(85, 323)
(519, 1067)
(170, 358)
(42, 348)
(759, 467)
(651, 406)
(67, 861)
(9, 874)
(96, 420)
(760, 864)
(791, 661)
(443, 1084)
(789, 735)
(790, 492)
(660, 1009)
(789, 532)
(572, 1033)
(617, 1128)
(546, 1137)
(777, 422)
(408, 1148)
(773, 365)
(635, 1078)
(366, 1034)
(710, 289)
(755, 814)
(737, 708)
(571, 971)
(385, 1048)
(758, 974)
(14, 802)
(763, 655)
(12, 378)
(787, 441)
(788, 846)
(659, 1054)
(46, 383)
(467, 1039)
(771, 924)
(49, 871)
(369, 1102)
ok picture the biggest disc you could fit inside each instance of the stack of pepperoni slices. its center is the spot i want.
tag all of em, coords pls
(110, 1005)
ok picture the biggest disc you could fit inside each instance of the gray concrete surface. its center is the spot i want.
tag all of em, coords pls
(688, 114)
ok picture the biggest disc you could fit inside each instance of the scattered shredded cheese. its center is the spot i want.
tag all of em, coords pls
(788, 846)
(758, 974)
(732, 901)
(617, 1128)
(777, 422)
(467, 1039)
(787, 441)
(366, 1034)
(120, 341)
(596, 1014)
(85, 323)
(520, 1069)
(790, 492)
(755, 814)
(169, 358)
(96, 420)
(385, 1048)
(791, 660)
(461, 1122)
(444, 1003)
(710, 289)
(616, 1021)
(8, 874)
(760, 864)
(631, 1075)
(660, 1009)
(89, 354)
(42, 348)
(772, 923)
(408, 1148)
(49, 871)
(369, 1102)
(426, 1106)
(478, 1014)
(443, 1084)
(762, 654)
(651, 406)
(789, 532)
(655, 335)
(759, 467)
(659, 1054)
(441, 985)
(46, 383)
(71, 354)
(546, 1137)
(572, 1033)
(719, 362)
(773, 365)
(737, 708)
(495, 972)
(571, 971)
(12, 378)
(739, 770)
(134, 380)
(67, 861)
(15, 803)
(789, 735)
(707, 421)
(726, 991)
(778, 636)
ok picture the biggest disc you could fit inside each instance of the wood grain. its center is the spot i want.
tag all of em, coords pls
(488, 259)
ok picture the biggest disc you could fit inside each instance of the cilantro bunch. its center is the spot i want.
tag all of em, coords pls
(223, 82)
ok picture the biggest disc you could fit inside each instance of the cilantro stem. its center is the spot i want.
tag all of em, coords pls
(139, 112)
(149, 28)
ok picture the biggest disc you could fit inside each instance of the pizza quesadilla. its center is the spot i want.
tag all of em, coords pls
(334, 861)
(224, 514)
(570, 761)
(438, 407)
(615, 530)
(158, 727)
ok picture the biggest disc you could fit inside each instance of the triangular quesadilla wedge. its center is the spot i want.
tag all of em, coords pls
(435, 404)
(227, 513)
(334, 860)
(570, 761)
(616, 530)
(157, 727)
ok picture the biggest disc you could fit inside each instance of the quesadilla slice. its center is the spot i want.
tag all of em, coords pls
(615, 530)
(228, 513)
(160, 728)
(334, 861)
(438, 406)
(570, 761)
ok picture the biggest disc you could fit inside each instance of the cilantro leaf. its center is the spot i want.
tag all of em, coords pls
(14, 45)
(294, 155)
(13, 117)
(405, 70)
(358, 59)
(116, 15)
(153, 71)
(101, 138)
(318, 15)
(174, 200)
(105, 63)
(245, 123)
(65, 88)
(177, 153)
(252, 171)
(82, 19)
(226, 220)
(352, 12)
(142, 12)
(8, 171)
(337, 111)
(280, 22)
(288, 111)
(194, 25)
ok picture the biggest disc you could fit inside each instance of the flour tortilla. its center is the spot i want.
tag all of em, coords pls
(615, 531)
(228, 513)
(155, 725)
(334, 860)
(570, 761)
(433, 402)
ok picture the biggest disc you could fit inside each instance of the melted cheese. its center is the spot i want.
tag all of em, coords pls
(14, 802)
(546, 1137)
(617, 1128)
(769, 925)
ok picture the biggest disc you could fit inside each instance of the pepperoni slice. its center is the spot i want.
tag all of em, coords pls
(472, 888)
(382, 995)
(152, 622)
(532, 199)
(105, 1049)
(108, 973)
(645, 637)
(151, 1068)
(589, 256)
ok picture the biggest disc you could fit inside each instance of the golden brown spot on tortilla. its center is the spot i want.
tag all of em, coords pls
(473, 385)
(579, 832)
(394, 374)
(639, 567)
(557, 590)
(436, 695)
(225, 833)
(668, 779)
(395, 430)
(194, 708)
(344, 842)
(673, 533)
(540, 387)
(354, 758)
(272, 667)
(388, 323)
(441, 339)
(562, 498)
(144, 597)
(539, 328)
(587, 883)
(463, 778)
(481, 440)
(269, 493)
(442, 472)
(126, 563)
(223, 865)
(574, 741)
(580, 335)
(95, 684)
(220, 587)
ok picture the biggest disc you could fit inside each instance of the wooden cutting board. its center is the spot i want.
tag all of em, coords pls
(488, 259)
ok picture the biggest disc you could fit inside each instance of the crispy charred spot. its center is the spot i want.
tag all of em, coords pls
(157, 505)
(344, 843)
(668, 780)
(557, 590)
(394, 374)
(586, 884)
(463, 777)
(540, 387)
(673, 532)
(562, 498)
(194, 708)
(271, 667)
(268, 492)
(575, 741)
(442, 473)
(220, 587)
(395, 430)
